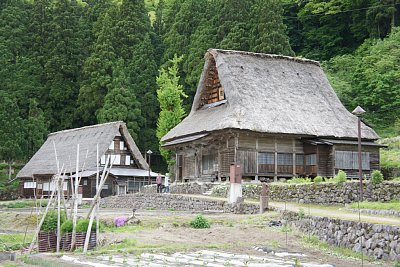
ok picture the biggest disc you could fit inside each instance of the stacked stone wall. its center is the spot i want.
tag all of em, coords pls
(319, 193)
(376, 240)
(176, 202)
(191, 188)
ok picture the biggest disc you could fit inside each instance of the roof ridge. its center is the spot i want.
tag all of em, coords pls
(262, 55)
(84, 127)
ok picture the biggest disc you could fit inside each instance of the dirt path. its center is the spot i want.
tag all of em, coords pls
(325, 211)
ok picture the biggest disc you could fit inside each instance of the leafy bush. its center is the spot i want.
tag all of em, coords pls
(50, 221)
(340, 178)
(82, 225)
(66, 227)
(297, 180)
(396, 179)
(200, 222)
(318, 179)
(376, 177)
(328, 180)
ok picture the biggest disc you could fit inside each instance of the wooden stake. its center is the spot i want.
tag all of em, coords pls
(75, 207)
(97, 189)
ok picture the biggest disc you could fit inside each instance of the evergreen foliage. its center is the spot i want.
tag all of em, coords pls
(120, 103)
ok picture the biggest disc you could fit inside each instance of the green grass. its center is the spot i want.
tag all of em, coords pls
(393, 205)
(390, 156)
(14, 241)
(23, 204)
(127, 228)
(40, 261)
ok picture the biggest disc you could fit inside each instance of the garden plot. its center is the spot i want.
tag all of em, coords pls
(199, 258)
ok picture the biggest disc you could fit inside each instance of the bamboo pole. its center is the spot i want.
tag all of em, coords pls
(75, 206)
(58, 214)
(97, 189)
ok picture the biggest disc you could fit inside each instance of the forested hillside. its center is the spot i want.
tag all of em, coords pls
(71, 63)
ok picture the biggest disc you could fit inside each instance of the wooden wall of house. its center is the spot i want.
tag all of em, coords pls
(374, 159)
(325, 160)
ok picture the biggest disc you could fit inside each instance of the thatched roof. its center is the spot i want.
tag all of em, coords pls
(44, 162)
(270, 94)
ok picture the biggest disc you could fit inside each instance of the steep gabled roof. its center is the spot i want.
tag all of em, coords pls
(44, 161)
(269, 94)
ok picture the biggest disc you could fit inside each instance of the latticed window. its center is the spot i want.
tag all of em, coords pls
(311, 159)
(208, 162)
(299, 159)
(285, 159)
(266, 158)
(348, 160)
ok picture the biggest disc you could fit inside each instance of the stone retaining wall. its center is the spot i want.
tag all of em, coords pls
(321, 193)
(176, 202)
(376, 240)
(191, 188)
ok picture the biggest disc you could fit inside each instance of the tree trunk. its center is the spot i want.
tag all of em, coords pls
(9, 169)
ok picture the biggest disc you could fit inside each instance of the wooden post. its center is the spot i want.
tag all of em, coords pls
(75, 206)
(264, 198)
(97, 189)
(58, 214)
(276, 161)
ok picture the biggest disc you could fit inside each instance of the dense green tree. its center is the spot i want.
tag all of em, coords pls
(36, 128)
(268, 30)
(66, 51)
(169, 94)
(120, 103)
(11, 130)
(97, 73)
(370, 78)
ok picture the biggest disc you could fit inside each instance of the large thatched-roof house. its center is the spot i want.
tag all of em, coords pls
(128, 174)
(276, 116)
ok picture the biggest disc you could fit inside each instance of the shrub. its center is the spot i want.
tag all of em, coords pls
(200, 222)
(50, 221)
(82, 226)
(318, 179)
(376, 177)
(340, 178)
(301, 214)
(297, 180)
(66, 227)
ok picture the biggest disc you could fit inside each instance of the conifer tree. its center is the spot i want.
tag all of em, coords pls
(169, 95)
(268, 29)
(36, 128)
(120, 103)
(97, 72)
(66, 53)
(11, 130)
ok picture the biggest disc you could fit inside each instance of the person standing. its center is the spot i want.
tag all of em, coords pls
(166, 183)
(159, 183)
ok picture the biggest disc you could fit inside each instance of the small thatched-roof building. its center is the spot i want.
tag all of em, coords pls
(129, 172)
(275, 115)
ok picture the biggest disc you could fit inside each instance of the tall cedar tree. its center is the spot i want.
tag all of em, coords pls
(133, 44)
(120, 103)
(11, 130)
(36, 128)
(268, 30)
(66, 52)
(169, 95)
(97, 72)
